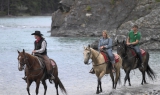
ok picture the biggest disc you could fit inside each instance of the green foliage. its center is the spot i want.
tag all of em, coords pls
(157, 0)
(149, 8)
(113, 2)
(88, 8)
(2, 13)
(33, 7)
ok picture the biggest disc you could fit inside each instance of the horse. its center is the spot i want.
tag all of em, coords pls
(130, 62)
(102, 67)
(35, 72)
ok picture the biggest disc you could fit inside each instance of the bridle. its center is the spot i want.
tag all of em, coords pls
(25, 60)
(90, 56)
(125, 54)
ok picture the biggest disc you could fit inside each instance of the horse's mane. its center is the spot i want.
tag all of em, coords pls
(30, 55)
(93, 49)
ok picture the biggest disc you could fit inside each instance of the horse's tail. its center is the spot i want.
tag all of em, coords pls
(62, 87)
(149, 71)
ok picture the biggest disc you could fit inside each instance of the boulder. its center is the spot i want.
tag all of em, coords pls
(87, 18)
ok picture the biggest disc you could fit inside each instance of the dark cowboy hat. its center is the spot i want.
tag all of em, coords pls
(38, 33)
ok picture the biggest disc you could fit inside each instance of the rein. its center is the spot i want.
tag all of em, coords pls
(95, 58)
(90, 55)
(127, 55)
(30, 66)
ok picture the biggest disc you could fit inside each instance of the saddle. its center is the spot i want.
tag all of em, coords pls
(116, 57)
(42, 62)
(143, 52)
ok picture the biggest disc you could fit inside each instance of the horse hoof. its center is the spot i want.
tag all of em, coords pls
(145, 83)
(97, 92)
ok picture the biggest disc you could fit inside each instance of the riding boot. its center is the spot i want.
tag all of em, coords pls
(140, 60)
(92, 71)
(25, 78)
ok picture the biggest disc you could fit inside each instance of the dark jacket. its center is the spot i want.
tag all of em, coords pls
(38, 46)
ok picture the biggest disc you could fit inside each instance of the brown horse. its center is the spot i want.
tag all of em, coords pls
(130, 62)
(101, 67)
(35, 72)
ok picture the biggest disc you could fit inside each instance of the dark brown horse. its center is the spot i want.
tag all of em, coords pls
(130, 62)
(35, 72)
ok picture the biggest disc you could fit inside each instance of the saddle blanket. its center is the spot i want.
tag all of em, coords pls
(52, 63)
(116, 57)
(143, 52)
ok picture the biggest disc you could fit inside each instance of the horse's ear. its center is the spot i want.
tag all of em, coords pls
(18, 51)
(117, 41)
(124, 42)
(89, 45)
(23, 51)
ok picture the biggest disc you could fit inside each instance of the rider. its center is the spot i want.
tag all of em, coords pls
(133, 39)
(41, 49)
(105, 44)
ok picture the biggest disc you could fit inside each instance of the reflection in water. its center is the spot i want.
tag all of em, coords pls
(67, 52)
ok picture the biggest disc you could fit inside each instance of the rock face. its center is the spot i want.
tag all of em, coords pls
(90, 17)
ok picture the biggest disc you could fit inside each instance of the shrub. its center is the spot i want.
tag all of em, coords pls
(88, 8)
(112, 2)
(157, 0)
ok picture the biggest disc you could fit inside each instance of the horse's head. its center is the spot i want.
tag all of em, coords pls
(87, 54)
(121, 48)
(22, 60)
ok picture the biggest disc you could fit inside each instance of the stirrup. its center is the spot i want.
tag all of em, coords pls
(25, 78)
(142, 65)
(52, 77)
(92, 71)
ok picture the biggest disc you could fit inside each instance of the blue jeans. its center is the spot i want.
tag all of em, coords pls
(138, 51)
(110, 55)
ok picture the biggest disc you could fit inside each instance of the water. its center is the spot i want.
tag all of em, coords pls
(16, 35)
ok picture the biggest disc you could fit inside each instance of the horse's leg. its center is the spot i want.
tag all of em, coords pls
(56, 82)
(112, 77)
(98, 85)
(37, 86)
(117, 77)
(129, 78)
(28, 85)
(144, 78)
(45, 86)
(125, 79)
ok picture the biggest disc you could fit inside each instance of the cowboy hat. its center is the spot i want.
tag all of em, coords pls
(38, 33)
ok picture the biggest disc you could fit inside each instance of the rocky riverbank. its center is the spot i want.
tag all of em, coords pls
(89, 17)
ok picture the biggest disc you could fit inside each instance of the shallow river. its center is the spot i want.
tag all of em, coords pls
(15, 34)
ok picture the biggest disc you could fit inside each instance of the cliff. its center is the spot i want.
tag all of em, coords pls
(89, 17)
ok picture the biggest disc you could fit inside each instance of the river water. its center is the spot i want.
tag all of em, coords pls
(15, 34)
